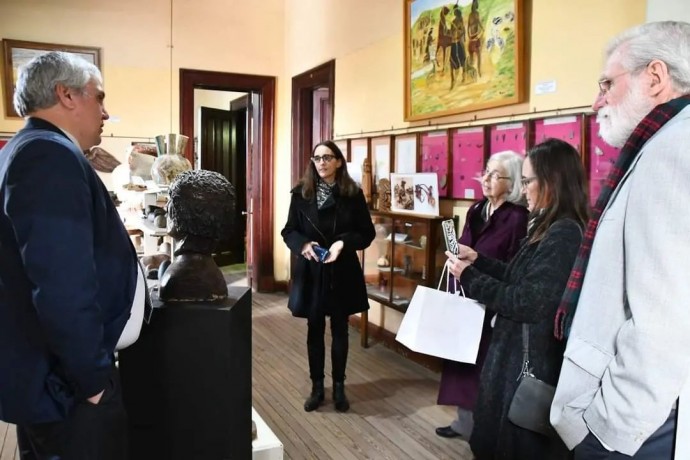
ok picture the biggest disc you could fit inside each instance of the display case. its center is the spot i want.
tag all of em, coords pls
(404, 254)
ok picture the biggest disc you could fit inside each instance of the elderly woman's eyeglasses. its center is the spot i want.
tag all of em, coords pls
(525, 181)
(325, 158)
(494, 175)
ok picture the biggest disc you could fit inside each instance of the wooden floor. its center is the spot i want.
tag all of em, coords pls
(393, 413)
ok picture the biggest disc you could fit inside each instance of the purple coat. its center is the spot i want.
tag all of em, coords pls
(500, 239)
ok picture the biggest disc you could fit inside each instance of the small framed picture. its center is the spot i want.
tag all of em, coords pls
(568, 128)
(434, 147)
(468, 162)
(381, 158)
(509, 136)
(342, 145)
(415, 193)
(405, 154)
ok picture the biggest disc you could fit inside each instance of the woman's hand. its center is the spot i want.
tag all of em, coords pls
(334, 251)
(308, 251)
(455, 265)
(466, 253)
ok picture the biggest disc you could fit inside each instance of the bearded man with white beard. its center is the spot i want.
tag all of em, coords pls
(625, 311)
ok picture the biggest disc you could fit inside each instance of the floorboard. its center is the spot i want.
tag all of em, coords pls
(393, 412)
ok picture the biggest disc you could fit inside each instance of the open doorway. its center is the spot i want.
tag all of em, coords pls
(258, 180)
(221, 118)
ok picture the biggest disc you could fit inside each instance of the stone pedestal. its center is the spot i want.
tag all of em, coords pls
(187, 381)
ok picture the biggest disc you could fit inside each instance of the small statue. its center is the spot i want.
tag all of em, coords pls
(200, 212)
(384, 192)
(366, 180)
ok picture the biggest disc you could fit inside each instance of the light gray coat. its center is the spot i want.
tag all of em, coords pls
(628, 354)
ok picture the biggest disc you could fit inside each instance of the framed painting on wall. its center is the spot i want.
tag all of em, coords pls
(468, 162)
(415, 193)
(434, 147)
(359, 151)
(568, 128)
(381, 158)
(342, 145)
(462, 57)
(601, 156)
(17, 53)
(508, 136)
(405, 154)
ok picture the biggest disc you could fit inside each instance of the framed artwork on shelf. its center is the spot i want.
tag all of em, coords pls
(509, 136)
(601, 158)
(468, 162)
(567, 128)
(342, 145)
(434, 147)
(17, 53)
(359, 151)
(381, 158)
(405, 160)
(415, 193)
(445, 74)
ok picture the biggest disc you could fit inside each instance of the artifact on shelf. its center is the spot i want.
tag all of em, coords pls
(170, 162)
(200, 211)
(366, 180)
(384, 192)
(383, 261)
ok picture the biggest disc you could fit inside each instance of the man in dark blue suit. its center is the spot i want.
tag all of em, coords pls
(68, 271)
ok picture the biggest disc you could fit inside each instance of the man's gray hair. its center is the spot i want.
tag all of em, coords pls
(512, 163)
(667, 41)
(39, 77)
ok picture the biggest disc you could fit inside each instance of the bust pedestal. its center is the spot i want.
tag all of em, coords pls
(187, 381)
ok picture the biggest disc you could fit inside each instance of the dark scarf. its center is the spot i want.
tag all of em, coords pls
(324, 191)
(649, 126)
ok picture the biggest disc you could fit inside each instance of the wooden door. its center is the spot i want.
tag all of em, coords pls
(224, 149)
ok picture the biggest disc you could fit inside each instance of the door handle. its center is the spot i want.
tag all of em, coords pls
(245, 213)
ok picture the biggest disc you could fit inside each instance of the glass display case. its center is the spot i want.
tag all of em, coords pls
(405, 253)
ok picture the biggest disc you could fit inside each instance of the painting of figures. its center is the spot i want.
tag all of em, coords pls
(461, 56)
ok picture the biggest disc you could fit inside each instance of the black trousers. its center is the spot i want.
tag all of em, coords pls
(316, 347)
(92, 431)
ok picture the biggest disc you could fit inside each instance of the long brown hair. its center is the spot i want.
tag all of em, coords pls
(346, 186)
(562, 186)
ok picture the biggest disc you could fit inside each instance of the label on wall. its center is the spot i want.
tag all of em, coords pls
(545, 87)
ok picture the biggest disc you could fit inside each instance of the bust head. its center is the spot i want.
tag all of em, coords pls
(200, 213)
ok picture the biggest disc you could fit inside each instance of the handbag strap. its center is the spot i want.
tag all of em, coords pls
(525, 351)
(445, 271)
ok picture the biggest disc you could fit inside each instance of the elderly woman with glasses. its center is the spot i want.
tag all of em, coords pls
(494, 226)
(328, 222)
(526, 291)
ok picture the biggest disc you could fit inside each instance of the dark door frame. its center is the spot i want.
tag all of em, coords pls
(303, 85)
(262, 155)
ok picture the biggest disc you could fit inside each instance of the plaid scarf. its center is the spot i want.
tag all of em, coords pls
(639, 137)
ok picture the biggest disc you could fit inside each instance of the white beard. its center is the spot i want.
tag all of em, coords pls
(616, 123)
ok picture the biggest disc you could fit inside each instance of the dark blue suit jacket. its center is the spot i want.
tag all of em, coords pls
(67, 276)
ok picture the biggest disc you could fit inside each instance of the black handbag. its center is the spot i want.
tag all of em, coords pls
(531, 402)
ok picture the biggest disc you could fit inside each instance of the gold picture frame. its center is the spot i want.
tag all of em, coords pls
(462, 57)
(17, 53)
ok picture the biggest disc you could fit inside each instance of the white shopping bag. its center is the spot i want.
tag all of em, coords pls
(442, 324)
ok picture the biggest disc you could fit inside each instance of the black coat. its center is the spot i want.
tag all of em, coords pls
(336, 287)
(527, 290)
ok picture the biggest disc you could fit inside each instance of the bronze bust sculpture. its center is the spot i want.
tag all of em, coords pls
(200, 213)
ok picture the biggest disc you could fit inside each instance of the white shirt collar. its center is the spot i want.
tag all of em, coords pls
(72, 138)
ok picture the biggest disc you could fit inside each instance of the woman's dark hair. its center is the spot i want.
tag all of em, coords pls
(346, 186)
(562, 186)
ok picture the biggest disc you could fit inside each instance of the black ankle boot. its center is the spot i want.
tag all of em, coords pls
(316, 397)
(339, 398)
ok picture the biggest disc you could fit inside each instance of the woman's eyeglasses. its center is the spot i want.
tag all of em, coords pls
(494, 175)
(527, 180)
(325, 158)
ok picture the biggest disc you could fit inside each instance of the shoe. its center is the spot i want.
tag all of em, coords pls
(447, 432)
(339, 398)
(316, 397)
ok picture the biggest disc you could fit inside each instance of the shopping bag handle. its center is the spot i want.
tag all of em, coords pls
(457, 284)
